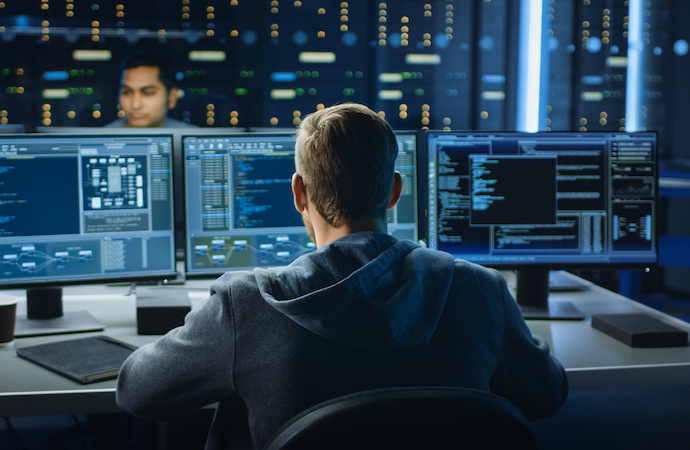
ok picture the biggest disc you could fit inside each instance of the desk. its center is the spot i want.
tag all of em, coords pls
(27, 389)
(593, 360)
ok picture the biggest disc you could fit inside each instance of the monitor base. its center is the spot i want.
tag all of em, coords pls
(556, 310)
(70, 322)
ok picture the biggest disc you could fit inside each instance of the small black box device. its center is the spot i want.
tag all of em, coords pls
(640, 330)
(160, 309)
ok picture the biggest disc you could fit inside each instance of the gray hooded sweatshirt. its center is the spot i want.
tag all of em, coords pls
(363, 312)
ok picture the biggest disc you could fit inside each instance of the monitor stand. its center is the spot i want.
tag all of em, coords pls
(533, 298)
(45, 316)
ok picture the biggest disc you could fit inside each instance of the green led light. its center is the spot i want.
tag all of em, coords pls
(241, 91)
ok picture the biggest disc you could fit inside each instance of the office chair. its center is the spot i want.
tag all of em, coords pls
(406, 418)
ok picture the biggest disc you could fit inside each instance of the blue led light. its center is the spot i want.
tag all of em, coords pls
(283, 76)
(494, 78)
(56, 75)
(592, 79)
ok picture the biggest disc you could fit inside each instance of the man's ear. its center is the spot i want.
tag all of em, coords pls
(396, 191)
(299, 193)
(173, 95)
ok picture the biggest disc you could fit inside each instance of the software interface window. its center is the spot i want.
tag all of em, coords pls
(85, 207)
(239, 207)
(548, 198)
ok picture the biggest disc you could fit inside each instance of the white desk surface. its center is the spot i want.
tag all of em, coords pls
(591, 358)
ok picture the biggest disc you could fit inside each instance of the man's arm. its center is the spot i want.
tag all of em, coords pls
(527, 374)
(188, 368)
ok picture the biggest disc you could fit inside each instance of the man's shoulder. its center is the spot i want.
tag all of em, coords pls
(232, 280)
(483, 276)
(117, 123)
(174, 123)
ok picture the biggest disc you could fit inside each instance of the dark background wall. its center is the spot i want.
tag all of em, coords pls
(256, 77)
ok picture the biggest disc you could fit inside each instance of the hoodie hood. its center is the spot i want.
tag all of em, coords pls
(366, 290)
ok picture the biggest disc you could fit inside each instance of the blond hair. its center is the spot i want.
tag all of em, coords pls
(346, 156)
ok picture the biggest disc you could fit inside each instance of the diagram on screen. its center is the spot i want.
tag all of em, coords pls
(114, 182)
(250, 251)
(45, 259)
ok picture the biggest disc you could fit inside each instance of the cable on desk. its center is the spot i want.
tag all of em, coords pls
(14, 434)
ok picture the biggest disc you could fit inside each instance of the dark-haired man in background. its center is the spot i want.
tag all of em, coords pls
(147, 92)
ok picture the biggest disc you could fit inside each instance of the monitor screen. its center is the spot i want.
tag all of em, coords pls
(238, 201)
(553, 200)
(85, 209)
(404, 218)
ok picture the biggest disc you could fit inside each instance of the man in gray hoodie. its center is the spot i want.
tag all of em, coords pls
(364, 311)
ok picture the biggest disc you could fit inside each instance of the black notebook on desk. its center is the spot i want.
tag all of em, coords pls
(83, 360)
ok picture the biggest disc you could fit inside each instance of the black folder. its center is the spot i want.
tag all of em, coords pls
(83, 360)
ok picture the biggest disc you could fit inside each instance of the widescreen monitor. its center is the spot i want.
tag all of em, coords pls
(82, 209)
(239, 208)
(540, 201)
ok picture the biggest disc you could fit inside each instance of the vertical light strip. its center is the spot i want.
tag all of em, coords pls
(633, 94)
(529, 65)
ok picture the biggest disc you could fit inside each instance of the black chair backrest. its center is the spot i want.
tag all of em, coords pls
(407, 418)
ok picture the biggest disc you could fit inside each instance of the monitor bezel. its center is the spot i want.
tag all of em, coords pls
(158, 276)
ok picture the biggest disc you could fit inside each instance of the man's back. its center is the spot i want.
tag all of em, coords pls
(366, 311)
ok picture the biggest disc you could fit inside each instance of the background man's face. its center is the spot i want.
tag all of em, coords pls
(144, 98)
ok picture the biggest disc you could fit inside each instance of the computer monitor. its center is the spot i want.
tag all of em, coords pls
(239, 209)
(82, 209)
(540, 201)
